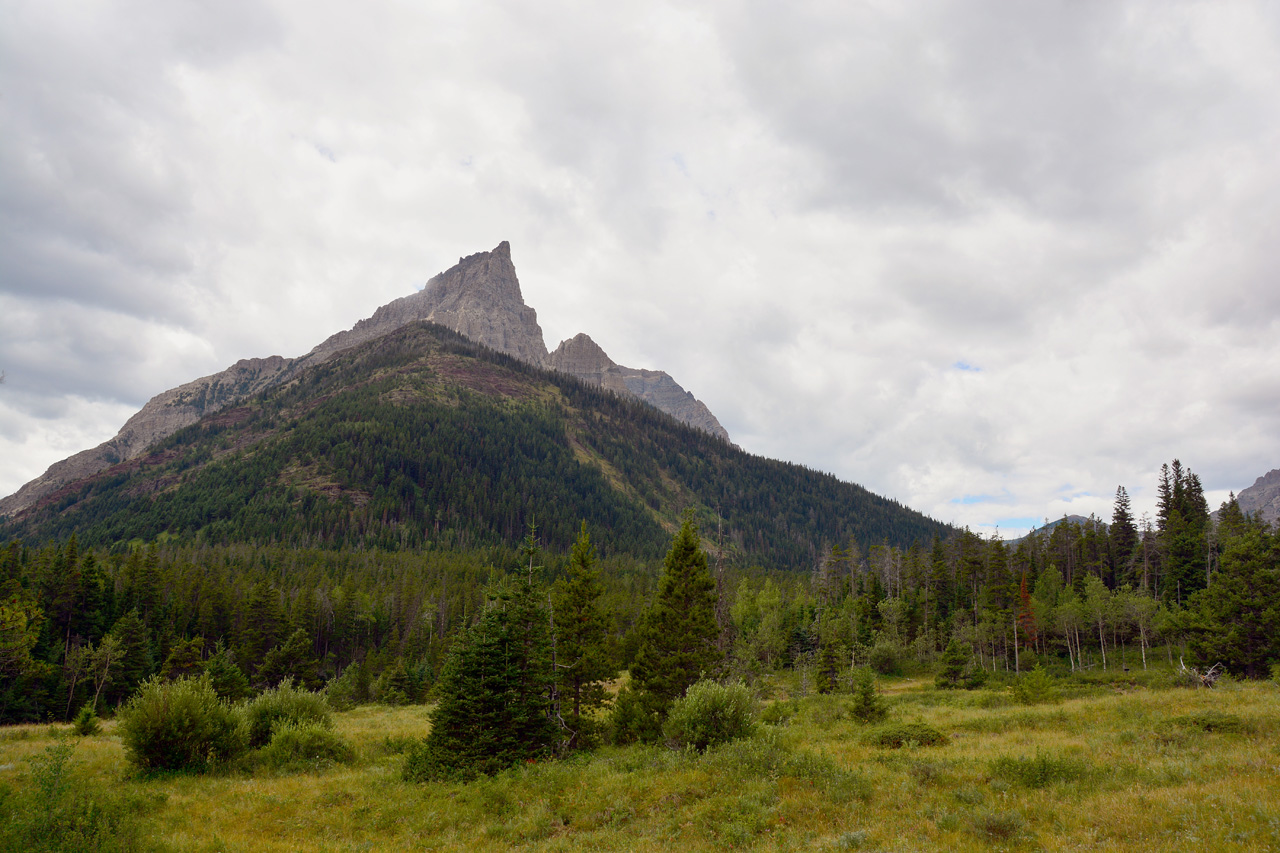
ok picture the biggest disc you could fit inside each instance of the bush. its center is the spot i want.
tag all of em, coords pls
(304, 745)
(710, 713)
(86, 722)
(632, 720)
(180, 725)
(58, 814)
(885, 657)
(1034, 687)
(284, 704)
(895, 735)
(1041, 771)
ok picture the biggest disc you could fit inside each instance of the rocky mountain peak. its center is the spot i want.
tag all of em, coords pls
(478, 297)
(1263, 497)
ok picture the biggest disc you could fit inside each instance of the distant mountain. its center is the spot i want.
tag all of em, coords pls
(1049, 526)
(1262, 498)
(422, 438)
(479, 298)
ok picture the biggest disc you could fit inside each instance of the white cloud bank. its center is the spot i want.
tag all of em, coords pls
(989, 259)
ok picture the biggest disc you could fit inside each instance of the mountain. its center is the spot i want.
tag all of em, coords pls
(422, 438)
(1262, 498)
(479, 298)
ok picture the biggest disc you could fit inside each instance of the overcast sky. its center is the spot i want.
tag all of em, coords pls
(990, 259)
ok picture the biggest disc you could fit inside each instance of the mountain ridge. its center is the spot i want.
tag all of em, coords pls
(479, 297)
(424, 438)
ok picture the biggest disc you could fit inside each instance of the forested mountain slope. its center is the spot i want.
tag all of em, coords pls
(422, 438)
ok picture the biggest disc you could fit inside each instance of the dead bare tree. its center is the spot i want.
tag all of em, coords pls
(1208, 678)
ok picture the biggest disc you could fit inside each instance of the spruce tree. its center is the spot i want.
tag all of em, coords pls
(678, 634)
(581, 657)
(1124, 536)
(493, 709)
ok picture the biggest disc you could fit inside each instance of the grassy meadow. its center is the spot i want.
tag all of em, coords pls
(1096, 764)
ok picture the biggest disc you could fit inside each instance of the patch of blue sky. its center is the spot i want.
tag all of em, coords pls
(976, 499)
(967, 367)
(1019, 523)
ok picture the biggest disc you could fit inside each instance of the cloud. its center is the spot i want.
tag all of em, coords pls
(940, 249)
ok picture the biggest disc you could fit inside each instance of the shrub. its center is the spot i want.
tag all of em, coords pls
(1041, 771)
(1034, 687)
(632, 719)
(180, 725)
(895, 735)
(284, 704)
(58, 813)
(885, 657)
(973, 676)
(998, 825)
(86, 722)
(304, 745)
(708, 714)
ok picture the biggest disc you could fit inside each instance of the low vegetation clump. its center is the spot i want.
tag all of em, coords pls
(304, 746)
(86, 722)
(1214, 722)
(710, 714)
(180, 725)
(1034, 687)
(284, 705)
(897, 735)
(1041, 770)
(60, 813)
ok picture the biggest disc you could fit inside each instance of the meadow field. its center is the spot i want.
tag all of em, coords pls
(1086, 764)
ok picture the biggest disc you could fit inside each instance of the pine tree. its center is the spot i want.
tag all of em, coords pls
(582, 658)
(678, 634)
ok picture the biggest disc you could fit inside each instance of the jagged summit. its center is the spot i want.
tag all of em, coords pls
(582, 357)
(479, 298)
(1263, 497)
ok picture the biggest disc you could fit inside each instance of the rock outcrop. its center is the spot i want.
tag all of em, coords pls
(1263, 497)
(479, 298)
(582, 357)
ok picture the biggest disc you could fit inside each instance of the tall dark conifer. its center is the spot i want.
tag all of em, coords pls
(1124, 537)
(494, 708)
(678, 634)
(581, 657)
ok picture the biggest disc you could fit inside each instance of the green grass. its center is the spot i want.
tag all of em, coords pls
(1105, 768)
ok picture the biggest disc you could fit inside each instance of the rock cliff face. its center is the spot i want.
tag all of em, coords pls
(479, 298)
(582, 357)
(1263, 497)
(163, 415)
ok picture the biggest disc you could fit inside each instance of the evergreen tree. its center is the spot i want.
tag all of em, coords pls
(493, 708)
(581, 655)
(1124, 536)
(1236, 620)
(134, 662)
(292, 659)
(953, 662)
(678, 634)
